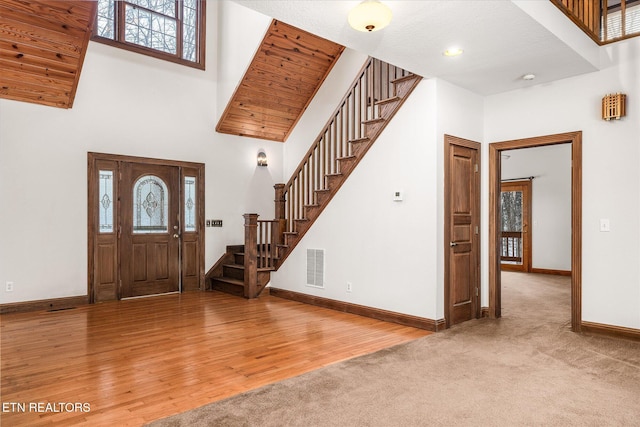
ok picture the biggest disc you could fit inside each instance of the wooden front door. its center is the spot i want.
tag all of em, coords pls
(515, 235)
(462, 220)
(150, 243)
(146, 226)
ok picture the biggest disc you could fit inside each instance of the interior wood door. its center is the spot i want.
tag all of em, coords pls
(515, 235)
(462, 240)
(150, 243)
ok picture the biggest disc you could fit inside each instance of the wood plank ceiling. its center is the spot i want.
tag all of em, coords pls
(42, 48)
(284, 75)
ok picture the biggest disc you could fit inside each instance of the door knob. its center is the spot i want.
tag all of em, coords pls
(452, 244)
(175, 236)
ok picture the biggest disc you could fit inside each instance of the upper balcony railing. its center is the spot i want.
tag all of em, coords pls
(605, 21)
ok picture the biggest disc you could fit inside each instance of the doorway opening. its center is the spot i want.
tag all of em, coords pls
(495, 239)
(145, 227)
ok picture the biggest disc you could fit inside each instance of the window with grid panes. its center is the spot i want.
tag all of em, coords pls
(166, 29)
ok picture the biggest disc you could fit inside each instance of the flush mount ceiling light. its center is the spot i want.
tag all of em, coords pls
(453, 51)
(370, 15)
(528, 77)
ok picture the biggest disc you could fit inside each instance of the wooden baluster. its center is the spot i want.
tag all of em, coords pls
(250, 255)
(335, 146)
(290, 203)
(328, 150)
(387, 82)
(305, 185)
(348, 122)
(341, 134)
(263, 242)
(274, 231)
(359, 109)
(372, 90)
(300, 194)
(352, 112)
(278, 238)
(326, 154)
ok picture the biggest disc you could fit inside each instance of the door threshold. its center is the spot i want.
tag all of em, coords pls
(152, 295)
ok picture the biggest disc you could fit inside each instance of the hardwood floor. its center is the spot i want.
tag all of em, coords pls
(134, 361)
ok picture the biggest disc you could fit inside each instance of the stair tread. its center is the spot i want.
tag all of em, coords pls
(388, 100)
(291, 233)
(242, 253)
(313, 205)
(347, 157)
(378, 120)
(228, 280)
(405, 78)
(359, 140)
(334, 174)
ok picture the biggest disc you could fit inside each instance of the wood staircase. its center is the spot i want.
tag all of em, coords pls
(376, 95)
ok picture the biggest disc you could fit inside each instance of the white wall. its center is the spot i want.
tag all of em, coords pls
(382, 247)
(392, 252)
(611, 172)
(128, 104)
(550, 201)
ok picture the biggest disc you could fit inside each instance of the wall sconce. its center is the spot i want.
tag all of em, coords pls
(262, 158)
(613, 106)
(370, 15)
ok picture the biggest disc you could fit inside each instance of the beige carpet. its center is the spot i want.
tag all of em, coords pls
(525, 369)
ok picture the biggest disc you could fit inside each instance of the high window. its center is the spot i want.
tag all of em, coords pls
(167, 29)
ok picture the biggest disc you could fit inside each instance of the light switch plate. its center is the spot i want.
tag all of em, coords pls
(605, 225)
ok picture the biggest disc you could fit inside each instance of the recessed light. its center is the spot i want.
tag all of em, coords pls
(528, 77)
(453, 51)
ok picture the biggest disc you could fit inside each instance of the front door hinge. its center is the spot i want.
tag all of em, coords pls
(477, 229)
(476, 291)
(476, 167)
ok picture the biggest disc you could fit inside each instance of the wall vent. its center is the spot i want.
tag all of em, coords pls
(315, 267)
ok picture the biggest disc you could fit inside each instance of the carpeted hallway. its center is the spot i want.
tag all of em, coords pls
(527, 368)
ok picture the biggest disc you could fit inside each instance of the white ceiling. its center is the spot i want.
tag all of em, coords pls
(501, 39)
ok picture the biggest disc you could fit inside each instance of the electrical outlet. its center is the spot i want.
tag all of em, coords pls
(349, 287)
(9, 287)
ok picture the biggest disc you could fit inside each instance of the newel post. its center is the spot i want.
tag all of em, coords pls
(250, 255)
(280, 213)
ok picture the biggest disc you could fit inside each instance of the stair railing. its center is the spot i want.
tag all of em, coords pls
(268, 232)
(260, 249)
(373, 83)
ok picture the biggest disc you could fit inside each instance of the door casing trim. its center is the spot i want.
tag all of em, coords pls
(495, 150)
